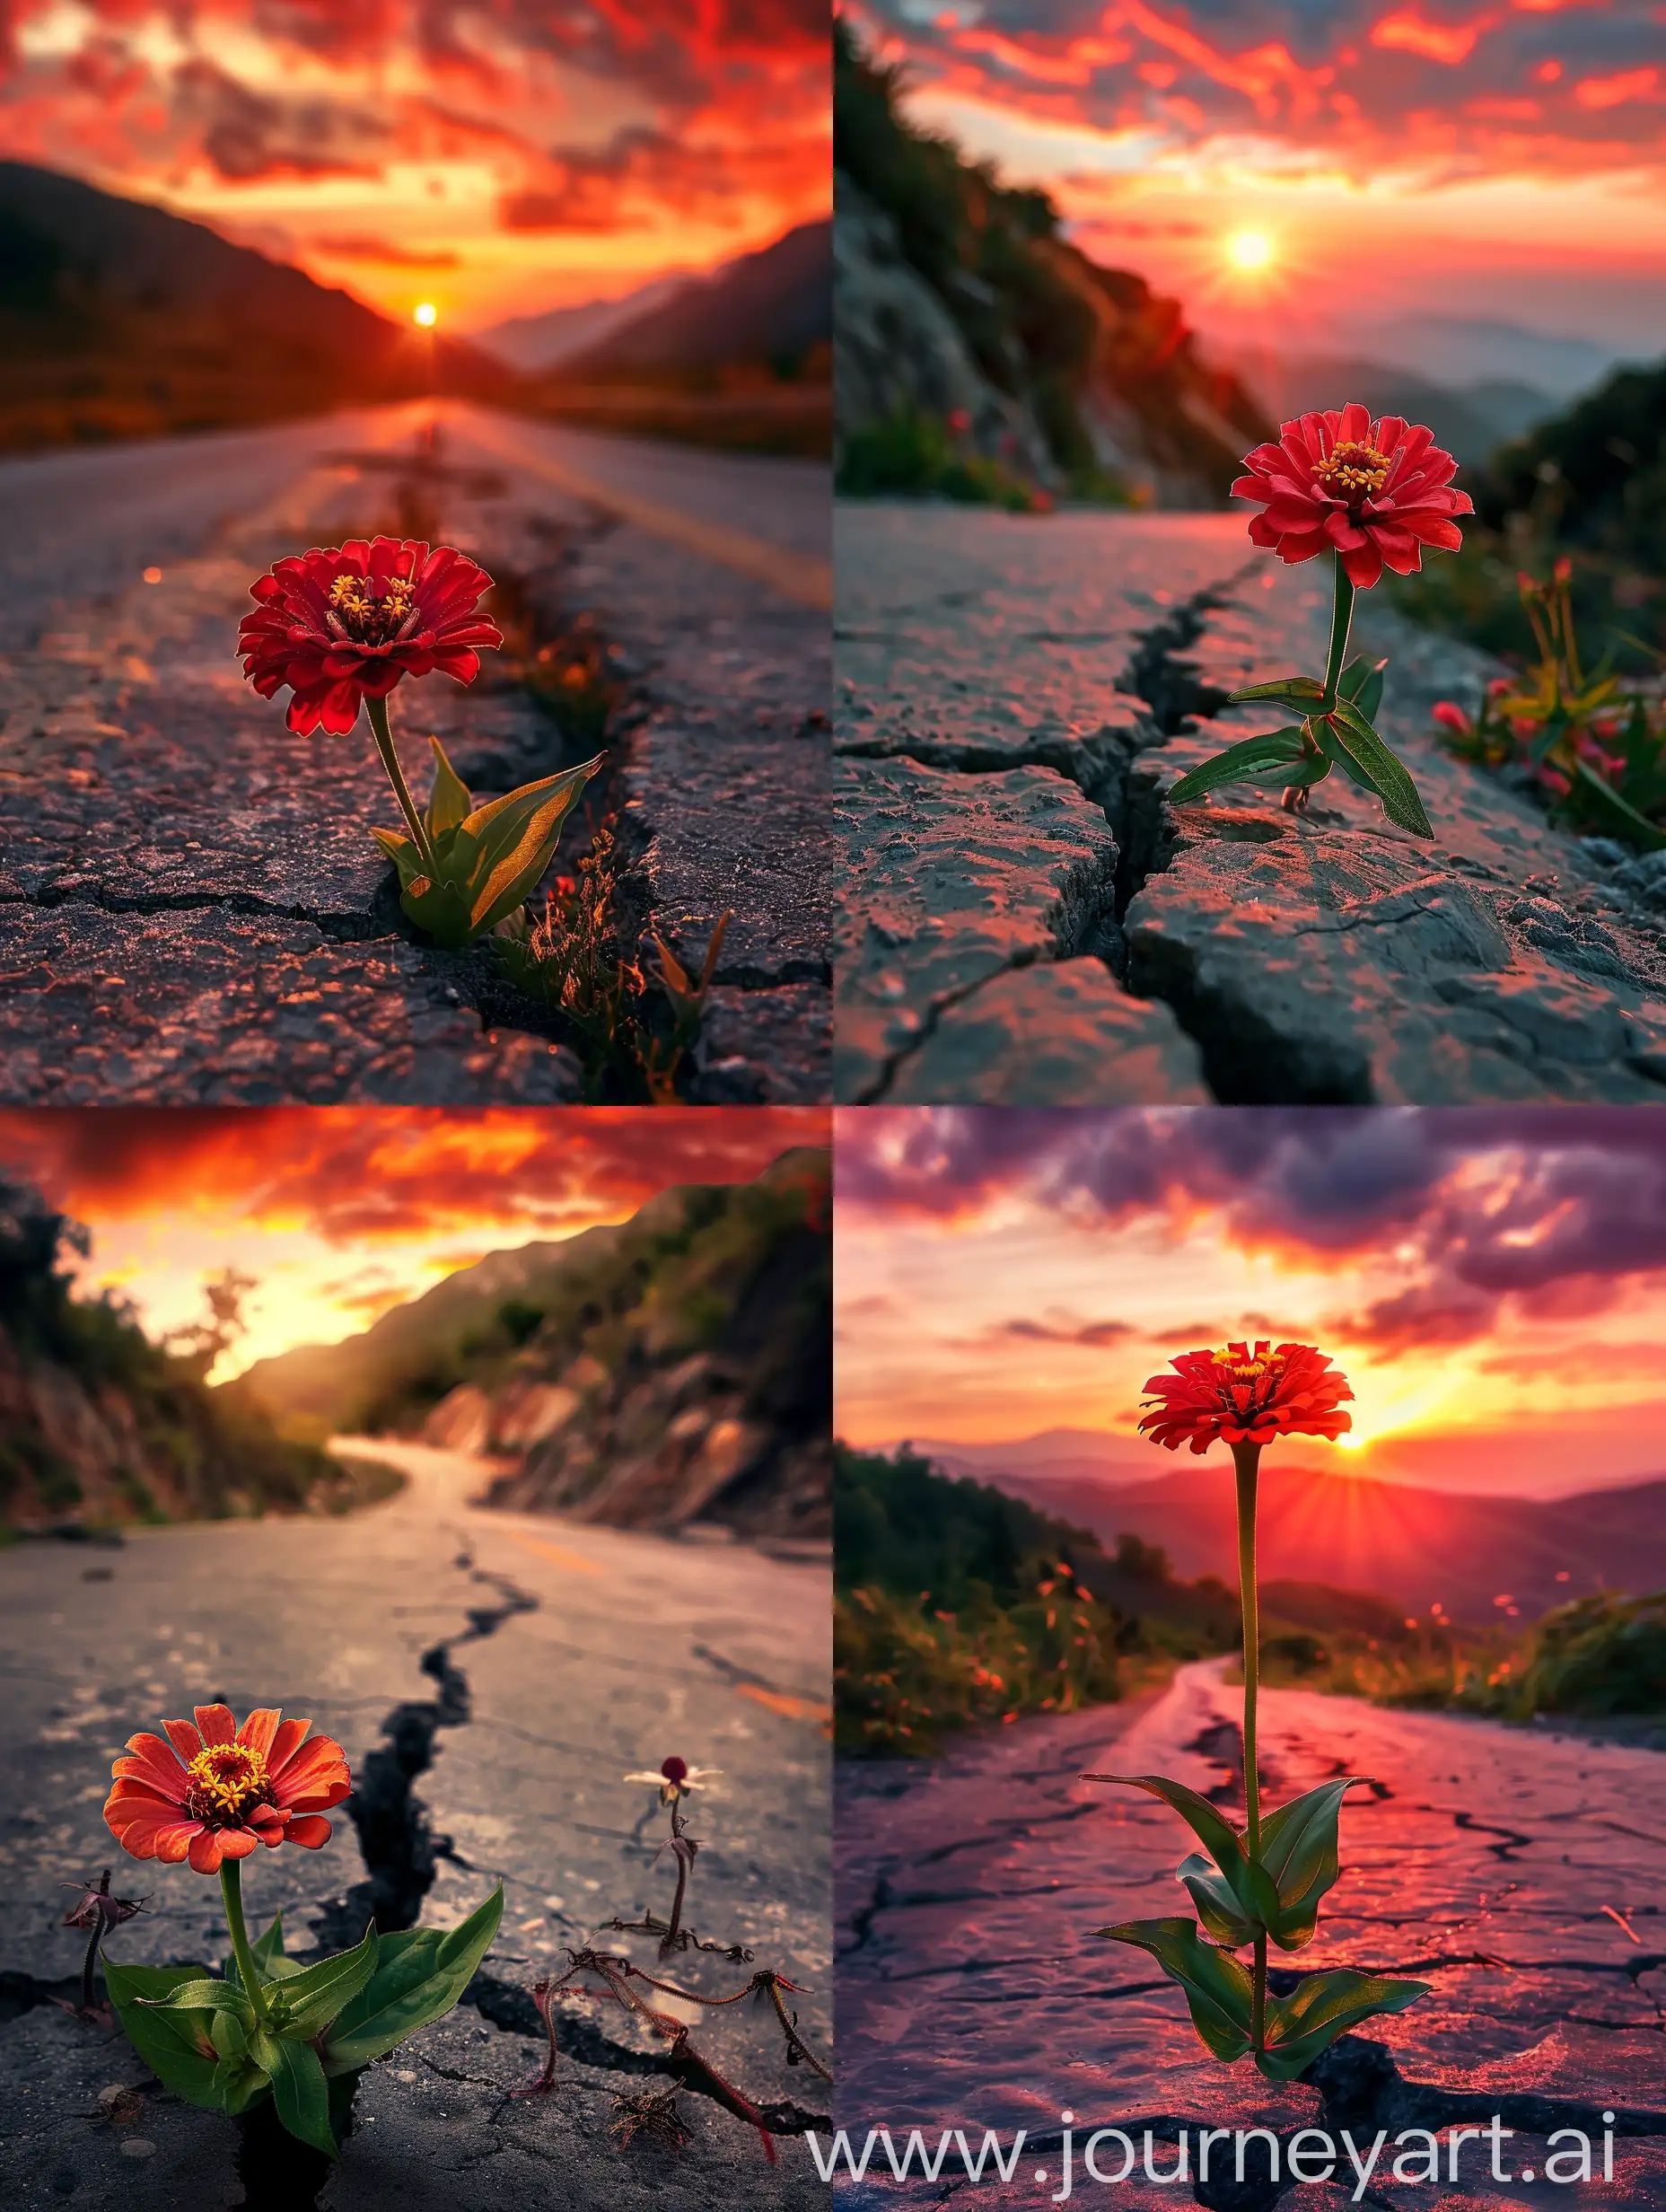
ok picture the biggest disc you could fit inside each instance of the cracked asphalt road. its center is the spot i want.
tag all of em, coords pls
(1025, 920)
(1488, 1861)
(532, 1665)
(191, 907)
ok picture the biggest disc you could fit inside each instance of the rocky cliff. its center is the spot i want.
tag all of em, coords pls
(672, 1368)
(958, 303)
(99, 1426)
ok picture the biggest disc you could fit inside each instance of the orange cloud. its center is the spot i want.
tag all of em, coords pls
(1408, 32)
(358, 1174)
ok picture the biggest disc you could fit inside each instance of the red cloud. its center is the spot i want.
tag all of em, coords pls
(353, 1173)
(1430, 81)
(1407, 31)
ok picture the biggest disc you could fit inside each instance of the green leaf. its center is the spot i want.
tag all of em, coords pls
(420, 1974)
(1299, 692)
(516, 836)
(440, 908)
(1615, 813)
(1320, 2008)
(1217, 1989)
(302, 2096)
(1352, 739)
(1218, 1906)
(177, 2047)
(1251, 1887)
(1299, 1851)
(1243, 763)
(310, 1999)
(202, 1996)
(269, 1946)
(228, 2034)
(406, 856)
(1216, 1834)
(448, 802)
(1362, 681)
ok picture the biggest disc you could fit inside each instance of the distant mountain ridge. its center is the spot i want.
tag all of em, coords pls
(775, 305)
(1412, 1544)
(119, 320)
(534, 343)
(1470, 420)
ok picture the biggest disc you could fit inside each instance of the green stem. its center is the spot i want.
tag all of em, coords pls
(232, 1890)
(1246, 1459)
(1341, 622)
(382, 732)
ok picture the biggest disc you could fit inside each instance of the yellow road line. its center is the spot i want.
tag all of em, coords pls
(788, 1706)
(576, 1560)
(795, 575)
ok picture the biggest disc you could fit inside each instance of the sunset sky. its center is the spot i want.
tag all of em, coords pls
(1502, 159)
(493, 158)
(1493, 1282)
(340, 1212)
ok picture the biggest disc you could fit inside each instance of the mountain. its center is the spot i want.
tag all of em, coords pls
(1058, 1452)
(774, 306)
(1469, 420)
(99, 1426)
(1468, 349)
(672, 1367)
(534, 343)
(1413, 1545)
(963, 313)
(117, 319)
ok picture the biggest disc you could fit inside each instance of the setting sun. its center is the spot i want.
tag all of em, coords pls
(1249, 250)
(427, 314)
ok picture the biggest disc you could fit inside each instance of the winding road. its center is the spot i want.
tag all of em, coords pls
(493, 1678)
(1521, 1872)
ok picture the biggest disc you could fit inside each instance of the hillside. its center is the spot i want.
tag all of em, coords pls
(534, 343)
(673, 1367)
(1470, 420)
(99, 1427)
(772, 307)
(961, 308)
(117, 319)
(1413, 1545)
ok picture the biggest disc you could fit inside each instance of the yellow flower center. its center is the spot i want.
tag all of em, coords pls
(364, 616)
(1353, 471)
(226, 1780)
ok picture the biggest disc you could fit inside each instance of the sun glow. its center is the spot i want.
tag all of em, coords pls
(427, 314)
(1249, 249)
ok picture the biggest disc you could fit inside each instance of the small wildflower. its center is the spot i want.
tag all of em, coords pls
(675, 1778)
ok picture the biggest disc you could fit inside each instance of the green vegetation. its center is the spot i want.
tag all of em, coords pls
(746, 1266)
(1044, 325)
(102, 1426)
(1596, 749)
(914, 454)
(1589, 484)
(956, 1603)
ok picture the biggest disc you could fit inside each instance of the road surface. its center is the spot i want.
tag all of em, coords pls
(191, 907)
(1026, 921)
(1521, 1872)
(559, 1658)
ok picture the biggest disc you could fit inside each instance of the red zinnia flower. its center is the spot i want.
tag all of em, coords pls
(1375, 491)
(344, 621)
(1241, 1396)
(227, 1789)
